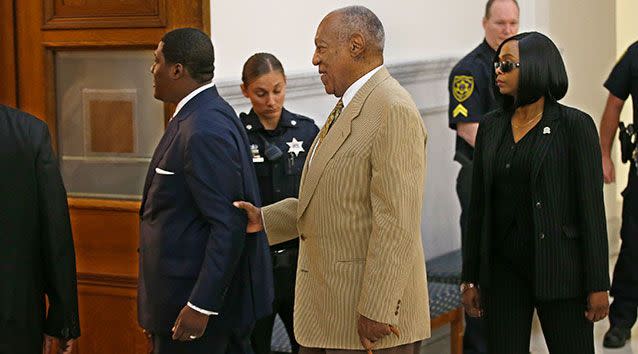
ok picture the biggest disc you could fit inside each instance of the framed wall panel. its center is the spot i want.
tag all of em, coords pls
(61, 14)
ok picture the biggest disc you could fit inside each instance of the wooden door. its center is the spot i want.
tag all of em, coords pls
(105, 230)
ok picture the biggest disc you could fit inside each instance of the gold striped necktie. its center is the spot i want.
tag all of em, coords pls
(330, 121)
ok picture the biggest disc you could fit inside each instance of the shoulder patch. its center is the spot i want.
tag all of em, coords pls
(462, 87)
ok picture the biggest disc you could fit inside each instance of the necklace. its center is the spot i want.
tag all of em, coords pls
(528, 122)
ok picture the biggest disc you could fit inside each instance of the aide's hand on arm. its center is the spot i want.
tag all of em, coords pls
(371, 331)
(597, 306)
(609, 173)
(471, 300)
(65, 346)
(255, 223)
(189, 325)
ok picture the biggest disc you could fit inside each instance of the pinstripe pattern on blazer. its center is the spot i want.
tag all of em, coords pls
(359, 214)
(567, 191)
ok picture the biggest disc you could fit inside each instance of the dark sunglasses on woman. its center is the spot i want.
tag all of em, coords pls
(506, 66)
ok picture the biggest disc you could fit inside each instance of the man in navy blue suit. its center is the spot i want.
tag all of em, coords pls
(202, 282)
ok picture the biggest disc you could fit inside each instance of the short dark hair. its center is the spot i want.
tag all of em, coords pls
(542, 70)
(193, 49)
(488, 7)
(260, 64)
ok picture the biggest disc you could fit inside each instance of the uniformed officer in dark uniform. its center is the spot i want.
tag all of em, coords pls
(622, 82)
(280, 141)
(471, 88)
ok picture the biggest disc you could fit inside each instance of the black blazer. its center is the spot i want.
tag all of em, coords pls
(571, 257)
(36, 246)
(193, 242)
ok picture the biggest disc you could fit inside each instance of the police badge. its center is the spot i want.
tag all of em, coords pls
(462, 88)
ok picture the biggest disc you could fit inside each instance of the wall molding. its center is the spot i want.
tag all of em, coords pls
(306, 84)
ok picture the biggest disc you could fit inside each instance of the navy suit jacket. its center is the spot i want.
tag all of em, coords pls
(193, 242)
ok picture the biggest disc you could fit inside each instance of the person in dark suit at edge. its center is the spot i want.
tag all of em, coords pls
(202, 282)
(537, 234)
(37, 257)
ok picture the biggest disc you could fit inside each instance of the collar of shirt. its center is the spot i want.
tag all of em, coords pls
(251, 118)
(357, 85)
(188, 97)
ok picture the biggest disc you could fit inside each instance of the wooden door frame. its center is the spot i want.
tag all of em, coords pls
(39, 45)
(8, 89)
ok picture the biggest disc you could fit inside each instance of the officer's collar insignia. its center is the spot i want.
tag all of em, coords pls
(293, 122)
(249, 127)
(295, 147)
(462, 87)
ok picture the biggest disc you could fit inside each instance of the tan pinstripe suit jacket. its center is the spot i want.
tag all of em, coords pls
(359, 217)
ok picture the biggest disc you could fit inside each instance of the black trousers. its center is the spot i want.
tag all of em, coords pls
(624, 289)
(284, 275)
(509, 306)
(474, 336)
(214, 341)
(16, 339)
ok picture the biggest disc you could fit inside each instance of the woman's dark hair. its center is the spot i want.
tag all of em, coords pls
(260, 64)
(542, 70)
(193, 49)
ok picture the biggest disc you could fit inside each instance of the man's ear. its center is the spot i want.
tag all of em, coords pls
(177, 71)
(357, 44)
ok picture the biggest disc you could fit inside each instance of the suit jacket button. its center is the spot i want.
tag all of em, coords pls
(302, 237)
(396, 313)
(541, 236)
(539, 205)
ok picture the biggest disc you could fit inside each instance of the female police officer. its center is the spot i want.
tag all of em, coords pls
(280, 141)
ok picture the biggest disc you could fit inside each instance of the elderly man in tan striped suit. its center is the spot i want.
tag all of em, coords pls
(361, 272)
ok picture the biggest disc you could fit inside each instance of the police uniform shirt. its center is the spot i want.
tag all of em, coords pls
(279, 179)
(623, 80)
(471, 90)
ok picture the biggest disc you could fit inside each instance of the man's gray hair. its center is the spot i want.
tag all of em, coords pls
(360, 18)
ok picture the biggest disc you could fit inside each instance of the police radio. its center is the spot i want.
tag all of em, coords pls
(628, 147)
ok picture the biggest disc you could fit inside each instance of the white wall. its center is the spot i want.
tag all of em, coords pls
(414, 29)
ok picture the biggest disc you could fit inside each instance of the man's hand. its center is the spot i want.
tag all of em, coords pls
(371, 331)
(255, 224)
(65, 346)
(597, 306)
(609, 173)
(189, 325)
(472, 302)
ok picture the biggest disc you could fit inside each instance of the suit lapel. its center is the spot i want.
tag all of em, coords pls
(548, 126)
(169, 136)
(333, 141)
(493, 139)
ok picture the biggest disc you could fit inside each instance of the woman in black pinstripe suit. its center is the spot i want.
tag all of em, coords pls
(537, 232)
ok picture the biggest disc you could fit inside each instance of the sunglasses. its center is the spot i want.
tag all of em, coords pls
(506, 66)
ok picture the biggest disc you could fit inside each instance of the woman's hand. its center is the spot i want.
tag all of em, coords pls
(597, 306)
(471, 299)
